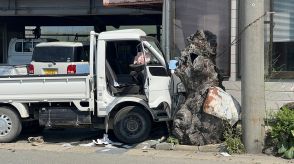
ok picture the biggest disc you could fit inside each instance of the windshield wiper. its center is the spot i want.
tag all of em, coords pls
(53, 62)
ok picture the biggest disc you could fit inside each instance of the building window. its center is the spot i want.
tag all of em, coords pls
(211, 15)
(282, 39)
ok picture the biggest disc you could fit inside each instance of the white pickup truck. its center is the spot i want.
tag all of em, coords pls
(114, 94)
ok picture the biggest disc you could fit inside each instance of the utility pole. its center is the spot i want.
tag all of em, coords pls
(252, 68)
(167, 19)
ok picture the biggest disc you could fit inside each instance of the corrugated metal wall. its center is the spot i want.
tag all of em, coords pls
(34, 6)
(62, 7)
(211, 15)
(284, 20)
(130, 2)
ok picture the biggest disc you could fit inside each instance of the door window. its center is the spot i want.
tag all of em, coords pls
(27, 47)
(18, 47)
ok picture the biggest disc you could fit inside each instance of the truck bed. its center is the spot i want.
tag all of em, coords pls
(7, 70)
(44, 89)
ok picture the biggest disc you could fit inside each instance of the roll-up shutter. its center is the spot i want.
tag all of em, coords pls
(211, 15)
(283, 20)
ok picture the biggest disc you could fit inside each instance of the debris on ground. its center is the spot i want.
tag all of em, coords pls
(100, 142)
(105, 150)
(68, 145)
(145, 149)
(104, 141)
(36, 141)
(110, 146)
(162, 139)
(164, 146)
(225, 154)
(106, 145)
(12, 150)
(198, 73)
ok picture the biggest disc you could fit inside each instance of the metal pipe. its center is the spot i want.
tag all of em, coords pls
(166, 23)
(92, 52)
(168, 30)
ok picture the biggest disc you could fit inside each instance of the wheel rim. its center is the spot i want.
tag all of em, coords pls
(132, 125)
(5, 125)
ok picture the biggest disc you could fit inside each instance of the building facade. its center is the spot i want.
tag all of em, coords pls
(222, 18)
(179, 19)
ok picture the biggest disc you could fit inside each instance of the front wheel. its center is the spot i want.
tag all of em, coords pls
(10, 125)
(132, 124)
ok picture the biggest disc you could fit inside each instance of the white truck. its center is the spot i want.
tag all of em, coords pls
(59, 58)
(114, 94)
(20, 53)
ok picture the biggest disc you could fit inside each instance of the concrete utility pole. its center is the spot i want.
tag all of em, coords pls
(252, 65)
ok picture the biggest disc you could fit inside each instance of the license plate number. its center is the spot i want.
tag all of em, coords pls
(50, 71)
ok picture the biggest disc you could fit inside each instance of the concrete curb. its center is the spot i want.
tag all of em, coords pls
(153, 144)
(205, 148)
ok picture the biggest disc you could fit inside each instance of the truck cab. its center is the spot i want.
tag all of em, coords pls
(122, 79)
(122, 82)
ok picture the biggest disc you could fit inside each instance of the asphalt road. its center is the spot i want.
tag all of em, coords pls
(53, 152)
(37, 157)
(9, 156)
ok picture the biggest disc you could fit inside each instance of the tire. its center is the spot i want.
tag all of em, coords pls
(131, 125)
(10, 125)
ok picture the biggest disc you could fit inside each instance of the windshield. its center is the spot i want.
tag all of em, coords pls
(59, 54)
(154, 43)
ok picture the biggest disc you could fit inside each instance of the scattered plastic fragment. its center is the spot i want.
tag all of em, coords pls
(225, 154)
(105, 150)
(145, 149)
(67, 145)
(110, 146)
(92, 144)
(104, 141)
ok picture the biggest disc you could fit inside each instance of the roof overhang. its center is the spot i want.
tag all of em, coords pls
(146, 4)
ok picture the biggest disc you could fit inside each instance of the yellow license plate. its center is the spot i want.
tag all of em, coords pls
(50, 71)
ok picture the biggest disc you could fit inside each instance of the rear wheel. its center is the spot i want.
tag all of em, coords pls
(132, 124)
(10, 124)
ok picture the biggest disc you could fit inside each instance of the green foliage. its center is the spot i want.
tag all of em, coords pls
(172, 140)
(233, 140)
(283, 132)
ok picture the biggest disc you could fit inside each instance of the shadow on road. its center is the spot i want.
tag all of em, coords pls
(77, 136)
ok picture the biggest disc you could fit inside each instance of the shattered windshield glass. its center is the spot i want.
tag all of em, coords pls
(156, 46)
(154, 43)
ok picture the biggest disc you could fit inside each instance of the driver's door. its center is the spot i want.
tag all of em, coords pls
(158, 82)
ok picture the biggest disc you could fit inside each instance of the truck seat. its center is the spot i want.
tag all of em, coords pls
(119, 88)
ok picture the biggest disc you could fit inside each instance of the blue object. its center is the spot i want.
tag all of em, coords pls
(172, 64)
